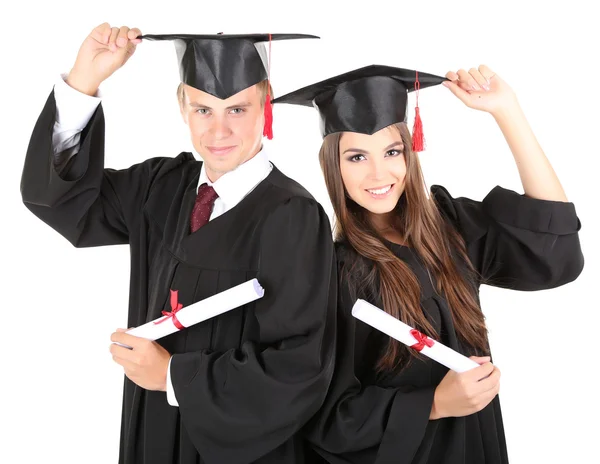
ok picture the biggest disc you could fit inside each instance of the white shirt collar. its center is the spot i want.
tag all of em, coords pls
(234, 185)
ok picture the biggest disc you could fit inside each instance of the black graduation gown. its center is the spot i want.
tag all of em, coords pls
(245, 381)
(513, 242)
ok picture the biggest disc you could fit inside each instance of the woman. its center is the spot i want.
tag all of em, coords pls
(422, 259)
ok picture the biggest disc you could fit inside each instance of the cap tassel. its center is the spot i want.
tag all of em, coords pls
(418, 138)
(268, 128)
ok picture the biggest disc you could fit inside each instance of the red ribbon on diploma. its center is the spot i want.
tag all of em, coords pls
(175, 306)
(422, 340)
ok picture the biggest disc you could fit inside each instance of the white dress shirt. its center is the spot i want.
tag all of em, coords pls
(75, 109)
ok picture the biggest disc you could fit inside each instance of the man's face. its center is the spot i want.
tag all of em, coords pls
(225, 133)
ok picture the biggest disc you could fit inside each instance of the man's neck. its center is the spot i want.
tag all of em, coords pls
(214, 176)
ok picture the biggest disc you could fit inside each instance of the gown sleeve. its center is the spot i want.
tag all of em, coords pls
(359, 421)
(515, 241)
(240, 404)
(84, 202)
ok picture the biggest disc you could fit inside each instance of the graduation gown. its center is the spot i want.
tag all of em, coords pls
(514, 242)
(245, 381)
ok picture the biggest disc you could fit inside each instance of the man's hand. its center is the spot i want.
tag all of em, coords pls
(146, 364)
(104, 51)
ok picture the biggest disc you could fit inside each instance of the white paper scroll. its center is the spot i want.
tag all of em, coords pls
(391, 326)
(201, 311)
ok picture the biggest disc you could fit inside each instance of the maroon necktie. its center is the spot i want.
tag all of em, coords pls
(203, 207)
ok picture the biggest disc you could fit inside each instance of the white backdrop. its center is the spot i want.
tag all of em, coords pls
(61, 391)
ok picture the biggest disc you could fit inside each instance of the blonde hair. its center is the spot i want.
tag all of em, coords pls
(263, 87)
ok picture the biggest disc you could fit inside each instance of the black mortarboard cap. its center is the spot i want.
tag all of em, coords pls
(364, 100)
(222, 64)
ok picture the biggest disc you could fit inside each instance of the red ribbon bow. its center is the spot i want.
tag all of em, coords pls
(422, 340)
(175, 307)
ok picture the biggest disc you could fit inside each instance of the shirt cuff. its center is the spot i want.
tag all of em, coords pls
(170, 391)
(73, 108)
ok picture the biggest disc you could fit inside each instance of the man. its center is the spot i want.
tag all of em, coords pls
(236, 388)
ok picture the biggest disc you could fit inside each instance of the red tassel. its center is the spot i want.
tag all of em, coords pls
(268, 129)
(418, 139)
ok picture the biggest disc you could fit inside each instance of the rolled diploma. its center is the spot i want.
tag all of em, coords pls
(202, 310)
(391, 326)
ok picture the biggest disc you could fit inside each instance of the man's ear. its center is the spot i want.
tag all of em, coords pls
(182, 111)
(181, 99)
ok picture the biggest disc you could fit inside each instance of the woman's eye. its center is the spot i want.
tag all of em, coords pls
(356, 158)
(393, 153)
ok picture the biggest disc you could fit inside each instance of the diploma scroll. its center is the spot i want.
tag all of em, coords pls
(404, 333)
(181, 317)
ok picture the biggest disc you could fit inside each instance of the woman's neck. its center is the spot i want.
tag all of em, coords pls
(381, 222)
(385, 224)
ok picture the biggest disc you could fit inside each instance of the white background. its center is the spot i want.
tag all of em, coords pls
(61, 391)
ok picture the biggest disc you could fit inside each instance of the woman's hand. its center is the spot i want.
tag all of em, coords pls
(482, 89)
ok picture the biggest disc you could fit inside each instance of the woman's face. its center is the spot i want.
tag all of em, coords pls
(373, 168)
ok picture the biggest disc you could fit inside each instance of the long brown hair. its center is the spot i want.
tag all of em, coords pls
(423, 229)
